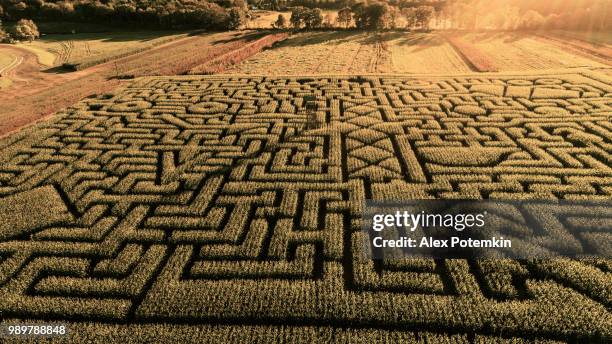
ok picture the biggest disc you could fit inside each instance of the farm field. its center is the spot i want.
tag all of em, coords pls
(156, 206)
(415, 53)
(35, 93)
(232, 204)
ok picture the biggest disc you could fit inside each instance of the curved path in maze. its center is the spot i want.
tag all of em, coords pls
(209, 201)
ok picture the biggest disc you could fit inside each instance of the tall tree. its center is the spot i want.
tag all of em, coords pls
(393, 15)
(378, 14)
(360, 15)
(313, 19)
(423, 16)
(328, 21)
(409, 14)
(281, 22)
(298, 14)
(3, 34)
(25, 29)
(345, 16)
(236, 18)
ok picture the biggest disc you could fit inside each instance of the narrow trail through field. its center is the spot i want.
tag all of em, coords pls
(382, 57)
(17, 60)
(354, 65)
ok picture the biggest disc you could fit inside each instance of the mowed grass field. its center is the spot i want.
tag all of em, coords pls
(225, 206)
(89, 48)
(423, 53)
(518, 52)
(594, 37)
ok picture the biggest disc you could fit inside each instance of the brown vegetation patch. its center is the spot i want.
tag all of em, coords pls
(474, 57)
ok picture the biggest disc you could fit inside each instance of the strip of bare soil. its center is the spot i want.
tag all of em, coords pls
(475, 58)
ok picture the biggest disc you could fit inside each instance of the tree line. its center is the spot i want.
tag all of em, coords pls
(283, 5)
(361, 15)
(447, 14)
(307, 14)
(169, 14)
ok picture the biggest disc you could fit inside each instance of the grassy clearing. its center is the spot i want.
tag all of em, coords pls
(88, 49)
(594, 37)
(599, 52)
(265, 19)
(43, 56)
(6, 60)
(262, 19)
(423, 53)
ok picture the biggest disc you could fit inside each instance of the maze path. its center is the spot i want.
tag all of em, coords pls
(204, 199)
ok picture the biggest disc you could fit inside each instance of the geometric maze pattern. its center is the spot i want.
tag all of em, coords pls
(212, 200)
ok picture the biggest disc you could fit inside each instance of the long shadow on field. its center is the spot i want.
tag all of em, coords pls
(110, 37)
(57, 70)
(420, 41)
(504, 36)
(314, 38)
(251, 36)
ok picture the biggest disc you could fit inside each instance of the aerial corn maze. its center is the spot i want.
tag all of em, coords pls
(229, 207)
